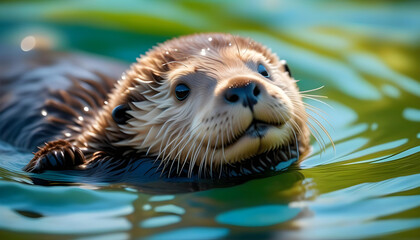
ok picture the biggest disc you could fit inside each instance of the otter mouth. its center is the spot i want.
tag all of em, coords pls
(256, 129)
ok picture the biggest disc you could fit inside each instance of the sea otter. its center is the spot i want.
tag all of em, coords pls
(210, 105)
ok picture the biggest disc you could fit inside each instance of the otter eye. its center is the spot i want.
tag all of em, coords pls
(120, 115)
(182, 91)
(263, 71)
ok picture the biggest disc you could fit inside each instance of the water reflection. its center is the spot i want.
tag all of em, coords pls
(356, 204)
(160, 221)
(193, 233)
(63, 210)
(412, 114)
(111, 236)
(258, 216)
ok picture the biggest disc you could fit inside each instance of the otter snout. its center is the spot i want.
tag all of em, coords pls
(247, 94)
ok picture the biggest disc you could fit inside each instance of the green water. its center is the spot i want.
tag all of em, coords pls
(365, 53)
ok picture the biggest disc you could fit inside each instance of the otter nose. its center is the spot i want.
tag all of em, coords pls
(245, 94)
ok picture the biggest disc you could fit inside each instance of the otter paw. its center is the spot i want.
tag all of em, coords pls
(55, 155)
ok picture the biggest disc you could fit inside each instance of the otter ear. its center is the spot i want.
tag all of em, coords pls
(286, 67)
(120, 115)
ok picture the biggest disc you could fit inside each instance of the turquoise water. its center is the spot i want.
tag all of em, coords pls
(365, 55)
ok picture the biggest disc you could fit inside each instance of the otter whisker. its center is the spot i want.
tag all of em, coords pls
(185, 65)
(312, 90)
(317, 136)
(293, 122)
(191, 136)
(320, 115)
(167, 140)
(228, 126)
(223, 149)
(170, 137)
(191, 149)
(246, 49)
(158, 135)
(196, 154)
(314, 96)
(169, 145)
(297, 145)
(212, 157)
(204, 157)
(314, 109)
(173, 148)
(237, 46)
(312, 130)
(323, 129)
(317, 100)
(176, 157)
(231, 129)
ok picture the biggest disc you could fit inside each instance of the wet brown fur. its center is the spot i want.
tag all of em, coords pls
(99, 133)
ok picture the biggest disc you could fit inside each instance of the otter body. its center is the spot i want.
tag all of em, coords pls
(205, 106)
(43, 92)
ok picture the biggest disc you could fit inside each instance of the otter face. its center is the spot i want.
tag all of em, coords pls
(213, 101)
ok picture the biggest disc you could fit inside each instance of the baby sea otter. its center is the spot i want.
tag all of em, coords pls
(210, 105)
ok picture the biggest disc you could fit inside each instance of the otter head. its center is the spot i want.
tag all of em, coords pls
(212, 102)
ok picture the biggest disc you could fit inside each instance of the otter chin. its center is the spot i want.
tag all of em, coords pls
(209, 105)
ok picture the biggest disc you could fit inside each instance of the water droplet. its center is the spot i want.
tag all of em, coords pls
(210, 39)
(86, 109)
(106, 102)
(203, 52)
(44, 112)
(80, 118)
(67, 134)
